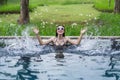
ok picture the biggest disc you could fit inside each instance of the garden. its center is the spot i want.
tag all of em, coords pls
(97, 15)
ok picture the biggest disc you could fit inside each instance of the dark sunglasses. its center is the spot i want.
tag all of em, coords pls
(60, 28)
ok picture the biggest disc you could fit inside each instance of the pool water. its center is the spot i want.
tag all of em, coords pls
(72, 67)
(92, 60)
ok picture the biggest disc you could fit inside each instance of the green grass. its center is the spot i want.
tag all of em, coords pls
(71, 13)
(13, 6)
(103, 5)
(49, 2)
(10, 8)
(57, 14)
(8, 18)
(67, 14)
(111, 24)
(108, 24)
(45, 30)
(64, 14)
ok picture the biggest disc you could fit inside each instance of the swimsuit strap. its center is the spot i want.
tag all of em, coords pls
(55, 40)
(63, 41)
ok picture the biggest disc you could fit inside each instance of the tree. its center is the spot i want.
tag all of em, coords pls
(24, 12)
(2, 2)
(117, 6)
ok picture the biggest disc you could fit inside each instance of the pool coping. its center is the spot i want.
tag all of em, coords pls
(72, 37)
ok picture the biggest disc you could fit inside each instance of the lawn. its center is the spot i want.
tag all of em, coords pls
(72, 16)
(46, 14)
(13, 6)
(67, 14)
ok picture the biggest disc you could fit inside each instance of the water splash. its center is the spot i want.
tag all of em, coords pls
(29, 46)
(25, 45)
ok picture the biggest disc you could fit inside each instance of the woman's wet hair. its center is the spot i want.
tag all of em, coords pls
(63, 33)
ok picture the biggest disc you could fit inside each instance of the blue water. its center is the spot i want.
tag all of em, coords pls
(92, 60)
(72, 67)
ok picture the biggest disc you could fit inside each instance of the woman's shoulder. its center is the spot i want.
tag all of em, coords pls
(53, 38)
(66, 38)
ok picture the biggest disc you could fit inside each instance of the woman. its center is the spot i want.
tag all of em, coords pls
(60, 40)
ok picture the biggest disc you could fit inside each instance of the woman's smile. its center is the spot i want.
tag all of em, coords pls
(60, 31)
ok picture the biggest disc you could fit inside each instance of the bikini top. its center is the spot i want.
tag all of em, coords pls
(59, 47)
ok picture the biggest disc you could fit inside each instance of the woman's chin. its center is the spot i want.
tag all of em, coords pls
(60, 33)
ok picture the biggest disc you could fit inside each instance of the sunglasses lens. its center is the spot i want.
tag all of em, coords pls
(59, 28)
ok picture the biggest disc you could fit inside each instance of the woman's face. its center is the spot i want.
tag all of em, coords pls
(60, 30)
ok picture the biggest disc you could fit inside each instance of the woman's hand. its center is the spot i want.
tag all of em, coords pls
(83, 31)
(36, 31)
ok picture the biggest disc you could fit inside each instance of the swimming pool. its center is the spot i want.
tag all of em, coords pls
(93, 60)
(72, 67)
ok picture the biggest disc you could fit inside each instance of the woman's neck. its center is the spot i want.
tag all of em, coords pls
(60, 37)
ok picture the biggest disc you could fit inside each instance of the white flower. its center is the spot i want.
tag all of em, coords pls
(74, 24)
(89, 15)
(46, 9)
(95, 18)
(0, 20)
(43, 23)
(81, 14)
(36, 12)
(46, 22)
(51, 23)
(43, 26)
(12, 24)
(56, 10)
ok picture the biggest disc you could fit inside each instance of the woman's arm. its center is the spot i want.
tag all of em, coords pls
(79, 39)
(36, 31)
